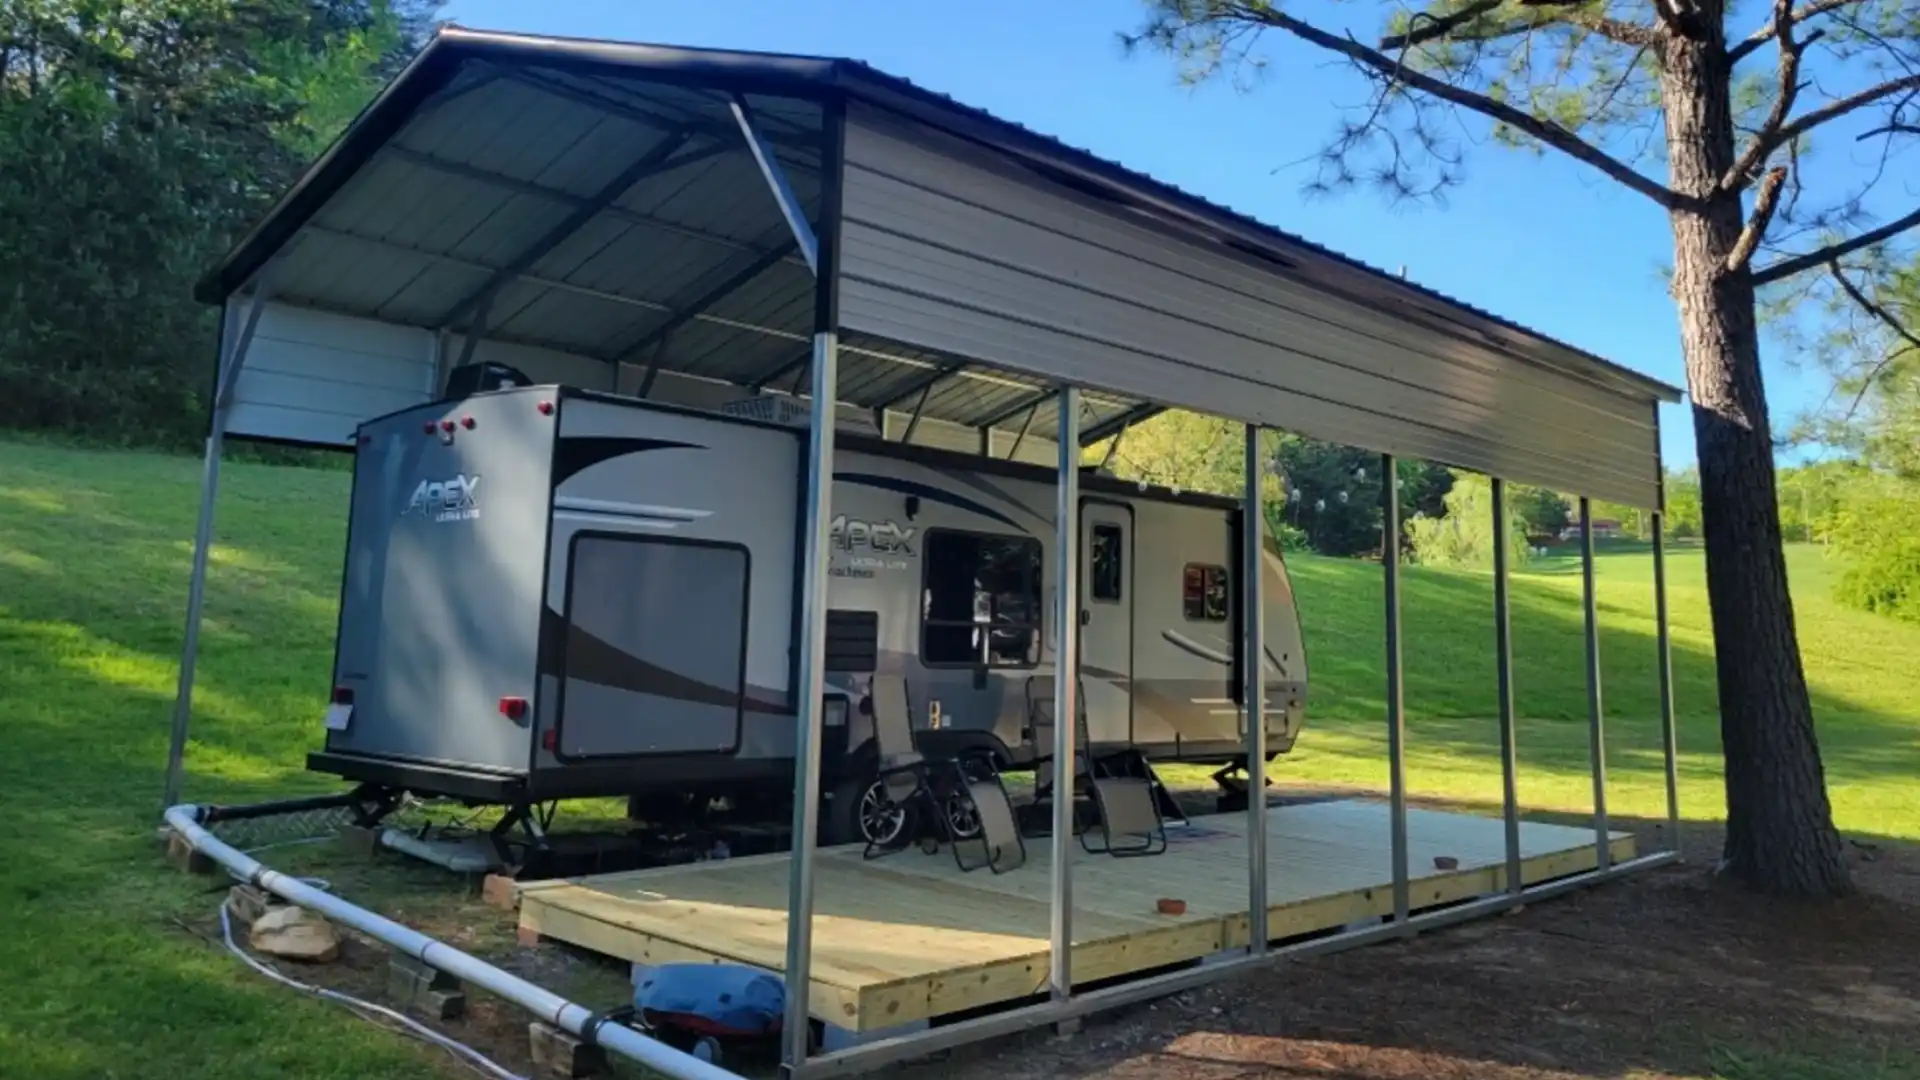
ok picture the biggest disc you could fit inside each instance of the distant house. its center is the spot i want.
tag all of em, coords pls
(1603, 529)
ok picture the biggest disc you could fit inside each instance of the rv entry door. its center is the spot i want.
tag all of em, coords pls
(1106, 619)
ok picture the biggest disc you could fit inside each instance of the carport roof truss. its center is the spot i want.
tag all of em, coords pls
(612, 201)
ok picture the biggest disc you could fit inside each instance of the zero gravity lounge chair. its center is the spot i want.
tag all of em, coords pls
(1118, 781)
(964, 794)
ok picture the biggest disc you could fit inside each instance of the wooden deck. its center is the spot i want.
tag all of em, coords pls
(908, 937)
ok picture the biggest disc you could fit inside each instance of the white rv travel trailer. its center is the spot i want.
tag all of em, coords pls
(556, 593)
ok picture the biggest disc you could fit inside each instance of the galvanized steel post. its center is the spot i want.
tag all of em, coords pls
(1503, 654)
(1669, 737)
(1396, 703)
(810, 675)
(1596, 721)
(1066, 689)
(235, 341)
(1253, 649)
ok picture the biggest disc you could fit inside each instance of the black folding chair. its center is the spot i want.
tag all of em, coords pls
(902, 769)
(1118, 781)
(978, 793)
(955, 792)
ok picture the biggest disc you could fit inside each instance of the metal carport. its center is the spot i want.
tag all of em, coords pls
(691, 225)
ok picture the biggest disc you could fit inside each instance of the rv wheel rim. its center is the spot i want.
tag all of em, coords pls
(880, 818)
(962, 819)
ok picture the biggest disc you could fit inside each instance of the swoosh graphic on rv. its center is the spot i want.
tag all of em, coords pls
(981, 484)
(1218, 654)
(926, 491)
(592, 659)
(581, 451)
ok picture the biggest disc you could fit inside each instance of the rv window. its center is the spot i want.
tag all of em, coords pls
(1203, 593)
(980, 600)
(1107, 564)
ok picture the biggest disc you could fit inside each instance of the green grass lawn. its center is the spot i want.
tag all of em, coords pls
(99, 981)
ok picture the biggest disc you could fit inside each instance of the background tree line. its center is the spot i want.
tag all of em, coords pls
(137, 138)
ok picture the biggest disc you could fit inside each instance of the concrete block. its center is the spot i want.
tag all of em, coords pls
(416, 987)
(360, 840)
(444, 1004)
(249, 902)
(556, 1053)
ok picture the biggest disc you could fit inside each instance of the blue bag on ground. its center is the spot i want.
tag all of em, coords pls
(713, 999)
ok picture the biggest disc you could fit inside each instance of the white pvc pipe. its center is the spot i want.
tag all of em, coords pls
(544, 1004)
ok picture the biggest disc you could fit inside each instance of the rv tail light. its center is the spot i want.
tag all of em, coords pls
(546, 408)
(467, 422)
(343, 695)
(513, 708)
(550, 739)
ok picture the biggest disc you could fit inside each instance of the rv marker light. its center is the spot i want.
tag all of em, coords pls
(513, 708)
(343, 695)
(428, 428)
(546, 408)
(550, 739)
(446, 426)
(467, 422)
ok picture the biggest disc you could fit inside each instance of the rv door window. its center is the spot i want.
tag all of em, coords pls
(1108, 563)
(1203, 592)
(980, 600)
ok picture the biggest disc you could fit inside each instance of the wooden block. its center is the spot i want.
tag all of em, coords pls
(557, 1053)
(501, 891)
(527, 936)
(249, 902)
(360, 840)
(187, 858)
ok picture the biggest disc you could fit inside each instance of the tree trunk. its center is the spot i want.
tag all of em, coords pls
(1780, 834)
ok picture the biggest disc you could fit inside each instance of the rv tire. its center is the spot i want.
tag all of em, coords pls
(842, 820)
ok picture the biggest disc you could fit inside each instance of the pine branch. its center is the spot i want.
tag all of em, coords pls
(1764, 204)
(1777, 131)
(1835, 109)
(1772, 29)
(1786, 268)
(1548, 132)
(1424, 28)
(1429, 28)
(1866, 304)
(1789, 89)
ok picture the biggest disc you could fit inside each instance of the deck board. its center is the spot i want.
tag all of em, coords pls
(907, 936)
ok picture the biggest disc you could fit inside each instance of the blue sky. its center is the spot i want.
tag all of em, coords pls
(1538, 240)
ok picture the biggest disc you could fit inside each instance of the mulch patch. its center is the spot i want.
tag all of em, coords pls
(1646, 976)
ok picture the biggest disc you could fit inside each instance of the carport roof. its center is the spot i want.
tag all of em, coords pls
(432, 137)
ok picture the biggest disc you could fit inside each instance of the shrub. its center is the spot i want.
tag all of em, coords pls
(1878, 531)
(1463, 536)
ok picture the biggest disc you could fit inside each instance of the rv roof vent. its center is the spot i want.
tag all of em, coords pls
(791, 412)
(770, 409)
